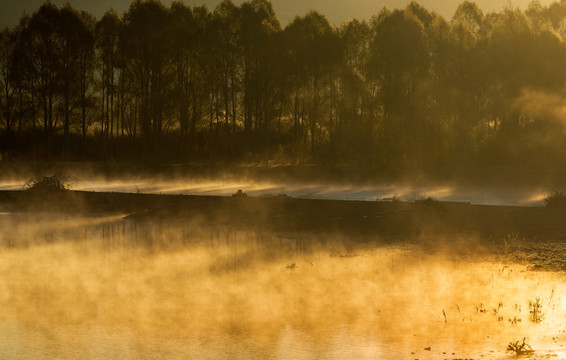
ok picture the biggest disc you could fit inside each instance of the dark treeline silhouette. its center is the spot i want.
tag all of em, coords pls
(408, 89)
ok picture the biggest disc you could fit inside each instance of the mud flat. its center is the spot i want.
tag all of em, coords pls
(283, 213)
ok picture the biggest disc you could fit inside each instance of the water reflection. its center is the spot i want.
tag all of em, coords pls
(106, 288)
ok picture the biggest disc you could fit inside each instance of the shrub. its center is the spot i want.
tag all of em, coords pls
(555, 199)
(47, 184)
(520, 348)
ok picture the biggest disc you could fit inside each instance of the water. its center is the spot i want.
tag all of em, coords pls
(98, 287)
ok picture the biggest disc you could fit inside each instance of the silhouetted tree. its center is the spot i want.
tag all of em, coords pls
(314, 56)
(107, 35)
(8, 96)
(400, 61)
(86, 66)
(354, 131)
(406, 90)
(146, 45)
(261, 99)
(72, 36)
(43, 63)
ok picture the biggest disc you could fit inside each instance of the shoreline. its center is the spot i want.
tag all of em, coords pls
(283, 213)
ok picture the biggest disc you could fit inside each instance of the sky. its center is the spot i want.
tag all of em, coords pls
(337, 11)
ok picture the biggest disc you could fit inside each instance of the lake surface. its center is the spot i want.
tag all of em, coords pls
(101, 287)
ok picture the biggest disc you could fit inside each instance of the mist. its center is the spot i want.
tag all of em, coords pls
(275, 180)
(116, 289)
(296, 181)
(128, 274)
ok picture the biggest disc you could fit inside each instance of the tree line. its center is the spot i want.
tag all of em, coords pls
(407, 89)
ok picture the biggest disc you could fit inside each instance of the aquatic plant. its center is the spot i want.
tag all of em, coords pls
(520, 348)
(514, 320)
(535, 309)
(497, 311)
(481, 309)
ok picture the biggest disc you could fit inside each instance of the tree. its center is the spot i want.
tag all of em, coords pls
(86, 65)
(353, 135)
(74, 40)
(7, 80)
(146, 46)
(224, 37)
(400, 62)
(314, 55)
(107, 35)
(183, 31)
(42, 64)
(556, 14)
(190, 58)
(261, 87)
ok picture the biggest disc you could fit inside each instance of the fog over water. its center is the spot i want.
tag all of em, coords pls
(100, 287)
(495, 195)
(411, 119)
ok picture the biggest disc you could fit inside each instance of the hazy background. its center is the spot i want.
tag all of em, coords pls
(335, 10)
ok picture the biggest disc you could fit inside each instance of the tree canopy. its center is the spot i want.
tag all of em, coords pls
(406, 90)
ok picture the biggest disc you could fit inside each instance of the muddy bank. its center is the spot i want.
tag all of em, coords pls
(282, 213)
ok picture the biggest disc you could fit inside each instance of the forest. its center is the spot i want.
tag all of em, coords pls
(408, 89)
